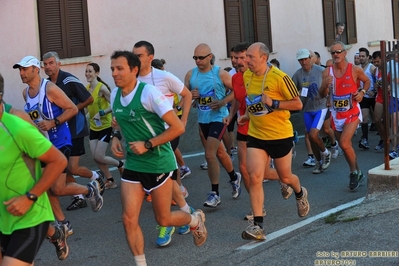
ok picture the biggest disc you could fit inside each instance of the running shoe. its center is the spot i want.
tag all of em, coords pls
(236, 186)
(149, 198)
(364, 144)
(165, 235)
(326, 160)
(61, 246)
(185, 192)
(233, 150)
(335, 151)
(77, 203)
(393, 154)
(380, 145)
(68, 227)
(185, 229)
(253, 232)
(309, 162)
(286, 190)
(200, 233)
(318, 169)
(184, 171)
(360, 176)
(296, 138)
(303, 204)
(100, 182)
(110, 184)
(95, 198)
(213, 200)
(250, 215)
(204, 166)
(353, 181)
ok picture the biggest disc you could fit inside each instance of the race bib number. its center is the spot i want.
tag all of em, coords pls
(204, 101)
(342, 103)
(304, 92)
(256, 107)
(35, 116)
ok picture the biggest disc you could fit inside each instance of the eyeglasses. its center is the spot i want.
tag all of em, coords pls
(200, 57)
(337, 52)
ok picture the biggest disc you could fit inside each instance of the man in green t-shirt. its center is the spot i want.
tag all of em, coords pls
(26, 211)
(141, 112)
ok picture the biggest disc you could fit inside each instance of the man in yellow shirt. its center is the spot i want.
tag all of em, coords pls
(271, 95)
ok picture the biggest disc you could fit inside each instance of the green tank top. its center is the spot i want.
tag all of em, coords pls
(138, 124)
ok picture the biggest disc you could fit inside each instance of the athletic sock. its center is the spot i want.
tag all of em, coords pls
(325, 153)
(140, 260)
(94, 176)
(186, 208)
(299, 195)
(215, 188)
(365, 130)
(233, 175)
(258, 220)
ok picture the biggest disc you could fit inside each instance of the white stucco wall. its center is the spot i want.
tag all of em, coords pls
(299, 24)
(175, 28)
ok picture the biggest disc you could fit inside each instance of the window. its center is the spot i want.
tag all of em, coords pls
(247, 21)
(335, 11)
(395, 16)
(64, 27)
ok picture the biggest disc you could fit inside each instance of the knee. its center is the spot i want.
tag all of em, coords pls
(163, 220)
(98, 158)
(57, 191)
(129, 221)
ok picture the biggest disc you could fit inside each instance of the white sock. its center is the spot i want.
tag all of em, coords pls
(80, 196)
(194, 222)
(140, 260)
(186, 208)
(94, 176)
(182, 188)
(325, 153)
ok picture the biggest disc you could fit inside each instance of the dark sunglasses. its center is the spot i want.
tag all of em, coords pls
(337, 52)
(200, 57)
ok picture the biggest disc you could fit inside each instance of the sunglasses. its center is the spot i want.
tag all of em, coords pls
(337, 52)
(200, 57)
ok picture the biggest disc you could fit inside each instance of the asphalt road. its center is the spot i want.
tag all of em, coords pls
(99, 238)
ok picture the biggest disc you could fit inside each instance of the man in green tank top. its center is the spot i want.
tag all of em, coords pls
(141, 112)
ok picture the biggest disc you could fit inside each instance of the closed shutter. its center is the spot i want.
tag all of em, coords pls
(262, 19)
(234, 25)
(329, 22)
(77, 23)
(64, 27)
(51, 28)
(395, 17)
(351, 31)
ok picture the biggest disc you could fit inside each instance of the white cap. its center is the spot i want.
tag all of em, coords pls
(303, 53)
(28, 61)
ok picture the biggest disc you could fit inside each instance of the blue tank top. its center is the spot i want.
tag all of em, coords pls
(210, 87)
(39, 108)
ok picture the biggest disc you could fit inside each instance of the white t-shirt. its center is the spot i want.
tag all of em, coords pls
(151, 98)
(165, 81)
(232, 71)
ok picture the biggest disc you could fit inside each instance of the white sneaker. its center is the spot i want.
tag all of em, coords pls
(309, 162)
(204, 166)
(326, 160)
(200, 233)
(335, 151)
(212, 200)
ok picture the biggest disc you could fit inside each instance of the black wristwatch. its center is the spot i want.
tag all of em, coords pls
(32, 197)
(148, 145)
(56, 121)
(178, 108)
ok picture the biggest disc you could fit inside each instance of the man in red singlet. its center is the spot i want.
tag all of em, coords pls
(341, 79)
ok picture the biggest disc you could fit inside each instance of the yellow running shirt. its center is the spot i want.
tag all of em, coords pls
(274, 125)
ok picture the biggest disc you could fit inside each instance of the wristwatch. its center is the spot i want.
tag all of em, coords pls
(364, 91)
(32, 197)
(148, 145)
(56, 121)
(178, 108)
